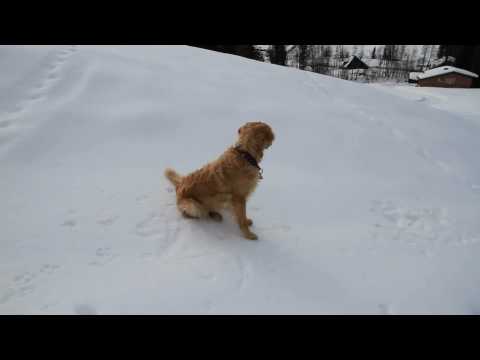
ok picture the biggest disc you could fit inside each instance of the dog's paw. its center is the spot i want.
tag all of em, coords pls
(251, 236)
(215, 216)
(249, 222)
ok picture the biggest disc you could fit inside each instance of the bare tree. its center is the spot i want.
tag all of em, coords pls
(413, 58)
(302, 56)
(401, 51)
(426, 53)
(327, 51)
(361, 53)
(355, 50)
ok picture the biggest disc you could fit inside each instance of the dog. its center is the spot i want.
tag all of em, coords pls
(227, 182)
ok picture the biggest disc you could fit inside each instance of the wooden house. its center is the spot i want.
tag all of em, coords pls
(447, 76)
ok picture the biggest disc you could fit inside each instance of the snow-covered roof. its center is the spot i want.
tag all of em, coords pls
(414, 75)
(348, 61)
(446, 70)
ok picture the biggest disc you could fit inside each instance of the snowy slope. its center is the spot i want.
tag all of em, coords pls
(369, 203)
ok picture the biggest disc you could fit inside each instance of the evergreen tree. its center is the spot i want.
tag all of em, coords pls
(278, 54)
(361, 53)
(441, 51)
(248, 51)
(355, 50)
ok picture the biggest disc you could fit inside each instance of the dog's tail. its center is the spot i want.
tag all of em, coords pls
(172, 175)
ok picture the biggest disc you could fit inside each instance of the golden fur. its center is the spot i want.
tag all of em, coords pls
(225, 183)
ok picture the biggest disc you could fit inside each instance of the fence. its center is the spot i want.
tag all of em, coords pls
(364, 75)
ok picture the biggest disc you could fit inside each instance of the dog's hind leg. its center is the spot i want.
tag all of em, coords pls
(191, 208)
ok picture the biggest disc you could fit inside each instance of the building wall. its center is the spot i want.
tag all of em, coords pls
(451, 80)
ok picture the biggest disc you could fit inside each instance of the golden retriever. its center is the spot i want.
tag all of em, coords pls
(227, 182)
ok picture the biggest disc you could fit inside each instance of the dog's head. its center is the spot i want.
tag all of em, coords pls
(258, 133)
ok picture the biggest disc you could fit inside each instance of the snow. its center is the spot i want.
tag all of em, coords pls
(462, 102)
(446, 70)
(414, 75)
(369, 202)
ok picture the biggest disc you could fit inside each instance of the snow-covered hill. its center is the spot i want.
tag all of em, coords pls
(369, 203)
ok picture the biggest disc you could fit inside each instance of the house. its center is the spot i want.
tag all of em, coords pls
(447, 76)
(372, 63)
(354, 62)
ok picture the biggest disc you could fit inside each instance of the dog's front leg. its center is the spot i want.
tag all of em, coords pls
(240, 210)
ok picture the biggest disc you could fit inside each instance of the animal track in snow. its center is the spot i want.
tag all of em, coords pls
(24, 283)
(24, 278)
(464, 241)
(208, 306)
(41, 89)
(385, 309)
(49, 268)
(69, 222)
(37, 93)
(413, 226)
(146, 255)
(422, 228)
(142, 198)
(53, 74)
(85, 309)
(4, 123)
(151, 225)
(399, 135)
(160, 228)
(424, 153)
(108, 220)
(245, 272)
(104, 256)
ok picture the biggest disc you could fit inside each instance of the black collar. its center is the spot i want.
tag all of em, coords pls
(251, 160)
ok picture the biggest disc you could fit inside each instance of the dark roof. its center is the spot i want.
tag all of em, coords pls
(354, 63)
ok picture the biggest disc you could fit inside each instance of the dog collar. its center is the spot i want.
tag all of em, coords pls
(250, 159)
